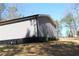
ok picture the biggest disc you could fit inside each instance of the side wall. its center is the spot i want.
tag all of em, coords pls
(17, 30)
(46, 28)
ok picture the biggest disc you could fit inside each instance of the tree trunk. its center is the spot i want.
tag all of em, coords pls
(75, 29)
(71, 33)
(0, 16)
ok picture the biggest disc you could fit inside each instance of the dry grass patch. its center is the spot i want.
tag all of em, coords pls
(57, 48)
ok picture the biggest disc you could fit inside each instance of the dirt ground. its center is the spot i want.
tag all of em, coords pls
(52, 48)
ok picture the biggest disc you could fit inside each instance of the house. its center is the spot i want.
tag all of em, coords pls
(27, 29)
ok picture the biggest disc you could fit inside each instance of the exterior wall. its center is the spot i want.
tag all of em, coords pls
(27, 29)
(17, 30)
(46, 28)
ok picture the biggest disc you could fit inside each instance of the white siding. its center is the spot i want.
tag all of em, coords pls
(16, 30)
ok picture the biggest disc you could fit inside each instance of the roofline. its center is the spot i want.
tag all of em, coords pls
(16, 20)
(26, 19)
(51, 20)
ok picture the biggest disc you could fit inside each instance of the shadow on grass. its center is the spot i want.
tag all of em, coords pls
(68, 49)
(9, 50)
(54, 48)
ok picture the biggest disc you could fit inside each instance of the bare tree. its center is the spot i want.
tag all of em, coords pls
(58, 28)
(76, 17)
(68, 20)
(75, 12)
(2, 7)
(13, 13)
